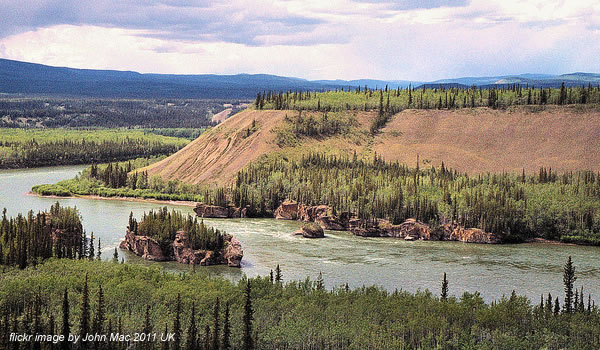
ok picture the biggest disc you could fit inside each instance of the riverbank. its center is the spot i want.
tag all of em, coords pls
(125, 199)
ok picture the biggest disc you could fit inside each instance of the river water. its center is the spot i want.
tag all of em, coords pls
(493, 270)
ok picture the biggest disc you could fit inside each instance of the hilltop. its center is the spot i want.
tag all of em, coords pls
(474, 141)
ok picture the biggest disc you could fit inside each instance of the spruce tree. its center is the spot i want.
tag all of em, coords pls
(247, 341)
(548, 308)
(569, 279)
(192, 333)
(91, 254)
(216, 325)
(147, 327)
(556, 306)
(320, 283)
(444, 294)
(99, 254)
(278, 275)
(226, 344)
(66, 327)
(84, 319)
(177, 324)
(115, 258)
(165, 344)
(99, 317)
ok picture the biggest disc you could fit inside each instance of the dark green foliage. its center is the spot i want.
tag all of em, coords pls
(34, 148)
(163, 225)
(226, 343)
(569, 279)
(27, 240)
(247, 341)
(216, 327)
(177, 324)
(278, 274)
(444, 293)
(84, 318)
(290, 316)
(191, 338)
(501, 96)
(516, 207)
(66, 327)
(99, 316)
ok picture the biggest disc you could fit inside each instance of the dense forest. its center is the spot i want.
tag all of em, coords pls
(517, 206)
(30, 239)
(77, 297)
(426, 98)
(162, 225)
(107, 113)
(48, 147)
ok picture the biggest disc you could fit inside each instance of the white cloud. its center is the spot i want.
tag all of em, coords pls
(315, 39)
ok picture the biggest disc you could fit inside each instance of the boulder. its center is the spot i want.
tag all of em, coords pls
(473, 235)
(216, 211)
(144, 246)
(233, 252)
(288, 210)
(312, 212)
(310, 230)
(330, 222)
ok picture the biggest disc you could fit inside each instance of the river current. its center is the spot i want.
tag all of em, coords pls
(493, 270)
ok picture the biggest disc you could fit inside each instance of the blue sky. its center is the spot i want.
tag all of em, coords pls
(335, 39)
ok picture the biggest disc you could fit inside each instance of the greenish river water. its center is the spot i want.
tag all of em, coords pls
(493, 270)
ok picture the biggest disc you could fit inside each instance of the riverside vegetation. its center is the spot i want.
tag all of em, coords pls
(49, 147)
(549, 205)
(84, 295)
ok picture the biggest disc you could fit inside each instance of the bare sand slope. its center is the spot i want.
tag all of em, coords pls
(482, 140)
(221, 152)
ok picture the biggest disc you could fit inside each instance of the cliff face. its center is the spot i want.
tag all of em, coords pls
(149, 249)
(409, 230)
(215, 211)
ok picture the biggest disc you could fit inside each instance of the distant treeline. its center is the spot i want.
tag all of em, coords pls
(79, 297)
(107, 113)
(398, 99)
(48, 147)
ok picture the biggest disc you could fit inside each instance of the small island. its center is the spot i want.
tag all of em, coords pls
(172, 236)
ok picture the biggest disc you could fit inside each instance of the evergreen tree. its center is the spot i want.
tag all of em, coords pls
(115, 258)
(444, 294)
(165, 344)
(99, 254)
(147, 327)
(226, 344)
(569, 279)
(84, 319)
(216, 326)
(99, 317)
(66, 327)
(192, 333)
(320, 283)
(177, 324)
(247, 341)
(278, 275)
(556, 306)
(548, 307)
(91, 253)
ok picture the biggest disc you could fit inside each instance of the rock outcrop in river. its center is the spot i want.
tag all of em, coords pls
(148, 248)
(216, 211)
(410, 229)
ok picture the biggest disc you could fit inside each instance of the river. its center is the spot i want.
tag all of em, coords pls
(493, 270)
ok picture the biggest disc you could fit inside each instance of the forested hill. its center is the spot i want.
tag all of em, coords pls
(30, 78)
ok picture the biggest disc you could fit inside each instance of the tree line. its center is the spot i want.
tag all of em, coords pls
(36, 148)
(366, 99)
(82, 297)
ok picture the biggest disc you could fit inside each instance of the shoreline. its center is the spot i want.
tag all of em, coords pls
(125, 199)
(536, 240)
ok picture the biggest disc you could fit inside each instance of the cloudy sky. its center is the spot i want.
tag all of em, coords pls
(315, 39)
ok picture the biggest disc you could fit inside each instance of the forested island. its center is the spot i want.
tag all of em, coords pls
(162, 235)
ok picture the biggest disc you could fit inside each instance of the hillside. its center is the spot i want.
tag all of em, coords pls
(470, 140)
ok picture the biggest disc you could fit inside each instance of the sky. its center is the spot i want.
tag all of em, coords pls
(418, 40)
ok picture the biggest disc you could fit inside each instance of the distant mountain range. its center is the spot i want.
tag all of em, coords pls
(29, 78)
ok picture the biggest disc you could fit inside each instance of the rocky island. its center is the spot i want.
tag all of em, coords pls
(171, 236)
